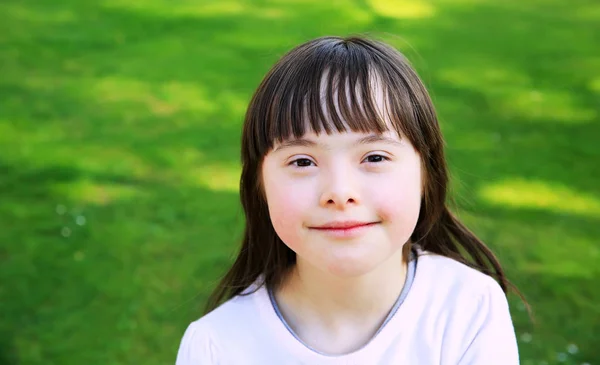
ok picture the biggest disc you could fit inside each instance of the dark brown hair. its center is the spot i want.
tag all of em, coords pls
(317, 86)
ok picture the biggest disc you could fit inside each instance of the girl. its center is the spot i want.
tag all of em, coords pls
(350, 254)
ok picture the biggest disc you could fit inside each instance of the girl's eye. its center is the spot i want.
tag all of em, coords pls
(302, 162)
(376, 158)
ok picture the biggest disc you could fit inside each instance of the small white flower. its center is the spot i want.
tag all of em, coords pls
(66, 231)
(80, 220)
(61, 209)
(572, 348)
(526, 337)
(561, 357)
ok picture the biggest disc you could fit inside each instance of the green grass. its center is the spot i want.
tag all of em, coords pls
(119, 137)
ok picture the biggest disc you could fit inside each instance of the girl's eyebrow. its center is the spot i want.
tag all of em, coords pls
(297, 142)
(302, 142)
(374, 138)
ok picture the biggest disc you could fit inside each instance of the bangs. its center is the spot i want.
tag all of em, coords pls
(329, 85)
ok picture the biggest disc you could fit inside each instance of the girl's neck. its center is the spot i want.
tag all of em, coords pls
(320, 305)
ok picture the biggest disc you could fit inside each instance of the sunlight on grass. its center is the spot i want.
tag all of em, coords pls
(160, 99)
(233, 102)
(10, 134)
(553, 105)
(555, 251)
(511, 94)
(193, 8)
(595, 85)
(413, 9)
(347, 14)
(181, 163)
(590, 11)
(23, 13)
(46, 146)
(540, 195)
(346, 11)
(189, 166)
(102, 159)
(217, 8)
(89, 191)
(185, 8)
(216, 177)
(560, 267)
(537, 248)
(474, 141)
(482, 75)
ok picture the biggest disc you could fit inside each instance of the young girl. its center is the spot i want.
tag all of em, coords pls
(350, 254)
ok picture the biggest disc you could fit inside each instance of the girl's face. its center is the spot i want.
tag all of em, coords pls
(345, 202)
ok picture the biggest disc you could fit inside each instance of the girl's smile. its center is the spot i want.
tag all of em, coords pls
(344, 229)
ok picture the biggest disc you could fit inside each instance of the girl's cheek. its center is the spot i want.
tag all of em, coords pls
(287, 197)
(400, 199)
(287, 209)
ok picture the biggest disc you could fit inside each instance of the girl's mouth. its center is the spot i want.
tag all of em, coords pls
(344, 229)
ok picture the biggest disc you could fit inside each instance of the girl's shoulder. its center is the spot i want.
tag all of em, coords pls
(234, 312)
(469, 307)
(450, 277)
(208, 338)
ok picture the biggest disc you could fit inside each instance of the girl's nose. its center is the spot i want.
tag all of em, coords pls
(339, 190)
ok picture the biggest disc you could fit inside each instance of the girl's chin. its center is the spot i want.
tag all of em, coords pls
(351, 268)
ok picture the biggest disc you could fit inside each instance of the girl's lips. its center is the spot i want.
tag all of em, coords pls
(343, 225)
(344, 229)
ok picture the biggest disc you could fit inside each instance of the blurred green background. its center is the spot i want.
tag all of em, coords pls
(119, 157)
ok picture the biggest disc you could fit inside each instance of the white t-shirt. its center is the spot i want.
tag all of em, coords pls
(452, 315)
